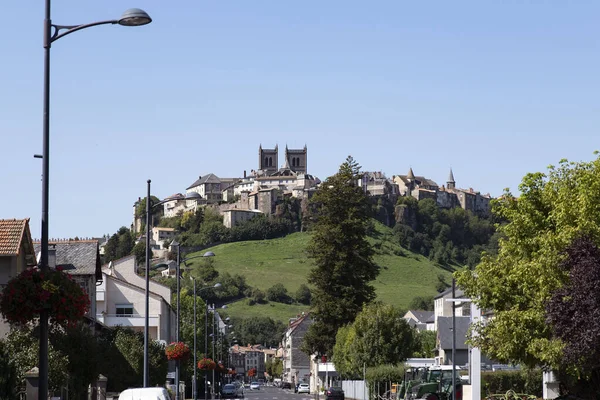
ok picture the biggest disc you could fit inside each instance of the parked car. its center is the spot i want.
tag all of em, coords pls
(229, 391)
(286, 385)
(334, 393)
(304, 388)
(150, 393)
(254, 385)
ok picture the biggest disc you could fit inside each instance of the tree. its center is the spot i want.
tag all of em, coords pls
(263, 330)
(570, 307)
(23, 346)
(424, 303)
(378, 336)
(139, 250)
(342, 256)
(425, 344)
(517, 283)
(155, 212)
(303, 295)
(278, 293)
(119, 245)
(9, 385)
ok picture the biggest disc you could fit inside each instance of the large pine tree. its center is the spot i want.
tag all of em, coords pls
(342, 255)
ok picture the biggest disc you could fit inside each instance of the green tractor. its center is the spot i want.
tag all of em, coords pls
(412, 376)
(434, 383)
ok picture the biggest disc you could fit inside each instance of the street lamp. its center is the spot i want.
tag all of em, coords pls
(131, 17)
(195, 383)
(191, 195)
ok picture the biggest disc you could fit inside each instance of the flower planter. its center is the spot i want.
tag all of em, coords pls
(32, 291)
(177, 351)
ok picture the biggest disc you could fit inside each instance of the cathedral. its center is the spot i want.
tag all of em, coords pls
(294, 159)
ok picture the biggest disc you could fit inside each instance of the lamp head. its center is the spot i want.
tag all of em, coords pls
(134, 17)
(209, 254)
(217, 285)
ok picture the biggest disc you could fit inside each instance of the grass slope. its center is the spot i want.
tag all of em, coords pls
(284, 260)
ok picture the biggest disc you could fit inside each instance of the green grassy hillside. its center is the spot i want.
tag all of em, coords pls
(404, 275)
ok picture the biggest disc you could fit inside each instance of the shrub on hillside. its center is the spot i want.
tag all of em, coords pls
(278, 293)
(303, 295)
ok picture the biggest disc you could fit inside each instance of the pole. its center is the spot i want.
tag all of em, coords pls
(177, 327)
(206, 350)
(147, 293)
(43, 353)
(195, 388)
(453, 339)
(214, 384)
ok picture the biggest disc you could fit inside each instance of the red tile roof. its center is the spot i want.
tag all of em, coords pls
(12, 234)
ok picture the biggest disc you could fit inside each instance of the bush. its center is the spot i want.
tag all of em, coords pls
(527, 381)
(303, 295)
(278, 293)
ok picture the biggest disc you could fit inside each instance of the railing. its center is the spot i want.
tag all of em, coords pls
(127, 319)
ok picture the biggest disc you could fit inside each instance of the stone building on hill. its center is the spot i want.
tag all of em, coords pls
(446, 196)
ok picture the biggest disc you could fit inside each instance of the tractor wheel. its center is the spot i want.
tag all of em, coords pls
(430, 396)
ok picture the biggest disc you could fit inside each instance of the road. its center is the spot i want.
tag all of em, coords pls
(274, 393)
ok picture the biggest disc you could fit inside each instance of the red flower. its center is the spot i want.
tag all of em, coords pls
(177, 351)
(31, 291)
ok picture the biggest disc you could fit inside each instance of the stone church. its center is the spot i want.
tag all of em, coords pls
(293, 159)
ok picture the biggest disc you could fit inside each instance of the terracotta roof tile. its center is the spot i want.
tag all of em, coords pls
(12, 232)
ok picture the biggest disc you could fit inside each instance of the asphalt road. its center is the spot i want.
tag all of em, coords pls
(274, 393)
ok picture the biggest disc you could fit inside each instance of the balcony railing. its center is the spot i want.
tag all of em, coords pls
(127, 319)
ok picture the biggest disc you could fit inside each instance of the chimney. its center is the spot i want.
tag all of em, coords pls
(244, 174)
(199, 176)
(52, 256)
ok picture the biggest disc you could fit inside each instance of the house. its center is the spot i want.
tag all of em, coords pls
(443, 308)
(444, 340)
(81, 260)
(233, 216)
(421, 320)
(121, 300)
(161, 235)
(296, 363)
(16, 254)
(245, 358)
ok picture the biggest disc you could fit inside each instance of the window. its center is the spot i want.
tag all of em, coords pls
(124, 310)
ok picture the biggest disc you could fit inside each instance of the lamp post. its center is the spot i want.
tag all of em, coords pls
(191, 195)
(194, 386)
(131, 17)
(216, 286)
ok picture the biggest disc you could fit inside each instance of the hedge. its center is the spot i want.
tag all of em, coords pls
(527, 381)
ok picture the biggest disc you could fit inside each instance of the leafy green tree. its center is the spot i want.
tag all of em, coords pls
(139, 250)
(119, 245)
(9, 384)
(122, 359)
(155, 212)
(425, 344)
(259, 330)
(378, 336)
(517, 283)
(278, 293)
(23, 346)
(343, 257)
(79, 345)
(303, 294)
(424, 303)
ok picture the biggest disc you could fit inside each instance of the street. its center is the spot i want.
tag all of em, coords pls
(274, 393)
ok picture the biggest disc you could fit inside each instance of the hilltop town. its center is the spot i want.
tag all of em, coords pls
(260, 191)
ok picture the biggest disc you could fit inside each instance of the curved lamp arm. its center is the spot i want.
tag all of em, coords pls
(54, 36)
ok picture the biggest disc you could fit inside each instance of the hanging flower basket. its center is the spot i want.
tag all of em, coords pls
(177, 351)
(32, 291)
(206, 364)
(231, 371)
(221, 368)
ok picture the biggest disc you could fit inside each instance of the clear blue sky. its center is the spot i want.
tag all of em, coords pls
(492, 89)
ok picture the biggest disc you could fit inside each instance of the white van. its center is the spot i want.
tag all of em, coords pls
(151, 393)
